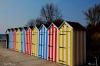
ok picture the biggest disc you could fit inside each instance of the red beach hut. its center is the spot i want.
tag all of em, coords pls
(52, 42)
(28, 48)
(14, 37)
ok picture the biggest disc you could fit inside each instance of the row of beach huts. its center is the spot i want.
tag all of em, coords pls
(61, 42)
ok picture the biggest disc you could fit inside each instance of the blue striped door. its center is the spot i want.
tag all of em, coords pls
(23, 40)
(43, 42)
(11, 40)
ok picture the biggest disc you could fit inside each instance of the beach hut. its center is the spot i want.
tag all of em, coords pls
(7, 34)
(11, 39)
(71, 44)
(35, 41)
(23, 38)
(43, 42)
(28, 48)
(52, 42)
(18, 40)
(14, 39)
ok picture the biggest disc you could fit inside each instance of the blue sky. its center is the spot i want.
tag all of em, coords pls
(16, 13)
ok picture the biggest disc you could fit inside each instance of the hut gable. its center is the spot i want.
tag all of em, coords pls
(51, 25)
(7, 31)
(42, 26)
(35, 28)
(20, 28)
(64, 23)
(25, 28)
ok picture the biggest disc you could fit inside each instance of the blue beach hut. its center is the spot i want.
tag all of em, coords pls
(43, 42)
(11, 39)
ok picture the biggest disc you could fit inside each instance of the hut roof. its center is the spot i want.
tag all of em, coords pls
(12, 29)
(25, 28)
(16, 29)
(8, 29)
(20, 28)
(76, 25)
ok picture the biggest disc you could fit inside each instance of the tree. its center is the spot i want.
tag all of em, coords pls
(31, 22)
(93, 15)
(93, 29)
(50, 13)
(39, 21)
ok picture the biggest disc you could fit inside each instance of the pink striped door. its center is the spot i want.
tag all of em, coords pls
(52, 42)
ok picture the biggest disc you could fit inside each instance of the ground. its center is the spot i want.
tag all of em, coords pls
(11, 58)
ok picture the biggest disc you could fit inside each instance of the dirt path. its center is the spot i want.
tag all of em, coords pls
(12, 58)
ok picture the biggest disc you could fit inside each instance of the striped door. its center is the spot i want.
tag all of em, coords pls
(10, 39)
(28, 41)
(17, 41)
(23, 40)
(40, 44)
(35, 42)
(52, 40)
(45, 44)
(14, 46)
(43, 41)
(64, 46)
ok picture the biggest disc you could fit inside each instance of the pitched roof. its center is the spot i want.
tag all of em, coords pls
(20, 28)
(76, 25)
(25, 28)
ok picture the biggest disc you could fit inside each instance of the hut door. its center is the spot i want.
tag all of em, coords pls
(45, 44)
(22, 38)
(34, 43)
(50, 46)
(42, 43)
(14, 40)
(27, 41)
(64, 45)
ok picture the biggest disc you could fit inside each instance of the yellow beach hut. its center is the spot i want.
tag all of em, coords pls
(35, 41)
(71, 48)
(18, 40)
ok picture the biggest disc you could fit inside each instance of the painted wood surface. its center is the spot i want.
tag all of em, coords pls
(14, 40)
(23, 42)
(28, 47)
(18, 40)
(35, 41)
(65, 45)
(52, 42)
(43, 42)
